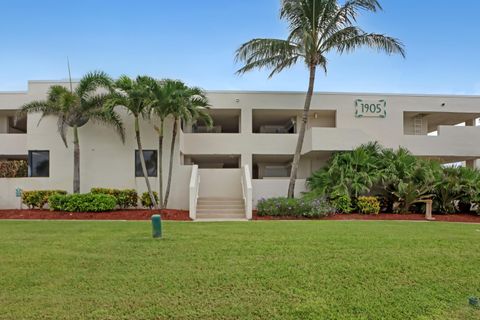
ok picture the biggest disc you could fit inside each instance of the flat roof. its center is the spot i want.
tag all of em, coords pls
(286, 92)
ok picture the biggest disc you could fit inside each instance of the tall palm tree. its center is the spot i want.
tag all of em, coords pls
(135, 95)
(317, 27)
(161, 106)
(74, 108)
(186, 104)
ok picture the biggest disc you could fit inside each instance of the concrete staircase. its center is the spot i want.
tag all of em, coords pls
(220, 209)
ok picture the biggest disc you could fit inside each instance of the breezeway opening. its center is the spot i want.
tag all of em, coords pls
(213, 161)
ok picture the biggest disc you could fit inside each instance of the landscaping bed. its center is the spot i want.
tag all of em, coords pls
(174, 215)
(408, 217)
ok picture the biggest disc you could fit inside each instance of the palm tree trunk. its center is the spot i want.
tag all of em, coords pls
(170, 168)
(160, 164)
(301, 133)
(76, 161)
(142, 163)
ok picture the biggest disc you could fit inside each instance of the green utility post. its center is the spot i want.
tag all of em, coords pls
(157, 226)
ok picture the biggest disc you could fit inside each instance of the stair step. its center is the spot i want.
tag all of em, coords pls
(221, 211)
(220, 206)
(220, 216)
(221, 219)
(220, 199)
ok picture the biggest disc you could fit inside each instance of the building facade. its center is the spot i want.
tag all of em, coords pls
(247, 154)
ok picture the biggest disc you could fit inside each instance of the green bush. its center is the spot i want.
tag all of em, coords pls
(368, 205)
(87, 202)
(396, 175)
(127, 198)
(39, 198)
(281, 207)
(319, 208)
(146, 201)
(342, 204)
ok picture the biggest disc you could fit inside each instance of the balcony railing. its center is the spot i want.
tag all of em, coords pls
(13, 144)
(452, 141)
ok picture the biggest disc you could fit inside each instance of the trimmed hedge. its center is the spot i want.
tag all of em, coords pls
(87, 202)
(281, 207)
(368, 205)
(39, 198)
(127, 198)
(146, 201)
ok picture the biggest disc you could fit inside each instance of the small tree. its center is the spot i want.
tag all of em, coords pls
(162, 104)
(135, 95)
(74, 108)
(186, 104)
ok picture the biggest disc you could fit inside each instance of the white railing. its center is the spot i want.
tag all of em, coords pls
(194, 189)
(247, 190)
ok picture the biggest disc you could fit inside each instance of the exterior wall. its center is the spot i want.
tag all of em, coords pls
(223, 183)
(264, 189)
(106, 162)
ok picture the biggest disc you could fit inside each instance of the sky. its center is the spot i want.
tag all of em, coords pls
(195, 41)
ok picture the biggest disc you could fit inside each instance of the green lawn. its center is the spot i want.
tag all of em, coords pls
(257, 270)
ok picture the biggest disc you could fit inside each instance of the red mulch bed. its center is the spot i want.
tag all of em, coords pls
(175, 215)
(407, 217)
(182, 215)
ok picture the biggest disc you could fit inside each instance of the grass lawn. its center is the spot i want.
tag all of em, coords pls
(257, 270)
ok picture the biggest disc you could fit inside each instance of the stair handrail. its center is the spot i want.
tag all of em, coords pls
(247, 190)
(194, 189)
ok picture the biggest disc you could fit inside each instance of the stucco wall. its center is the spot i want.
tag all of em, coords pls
(223, 183)
(106, 162)
(275, 188)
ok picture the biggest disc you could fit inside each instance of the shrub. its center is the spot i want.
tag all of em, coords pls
(342, 204)
(88, 202)
(280, 207)
(320, 208)
(38, 199)
(127, 198)
(146, 201)
(398, 175)
(13, 169)
(368, 205)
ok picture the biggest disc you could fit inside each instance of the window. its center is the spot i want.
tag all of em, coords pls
(38, 163)
(150, 162)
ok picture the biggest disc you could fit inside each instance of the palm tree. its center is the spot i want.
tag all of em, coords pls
(317, 27)
(135, 95)
(161, 106)
(186, 104)
(74, 108)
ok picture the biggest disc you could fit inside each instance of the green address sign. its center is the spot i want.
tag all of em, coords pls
(371, 109)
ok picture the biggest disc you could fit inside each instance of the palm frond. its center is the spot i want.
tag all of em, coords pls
(316, 28)
(110, 118)
(380, 42)
(273, 54)
(37, 106)
(91, 82)
(56, 92)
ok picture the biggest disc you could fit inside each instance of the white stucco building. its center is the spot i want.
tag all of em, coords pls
(223, 171)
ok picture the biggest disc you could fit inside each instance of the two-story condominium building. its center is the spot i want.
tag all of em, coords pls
(223, 171)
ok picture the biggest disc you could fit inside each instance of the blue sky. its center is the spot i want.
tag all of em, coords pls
(195, 41)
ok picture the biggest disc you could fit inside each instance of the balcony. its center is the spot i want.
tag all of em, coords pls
(13, 144)
(220, 143)
(334, 139)
(224, 121)
(451, 141)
